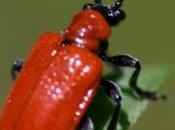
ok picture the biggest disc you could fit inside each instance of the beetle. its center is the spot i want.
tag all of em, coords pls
(63, 72)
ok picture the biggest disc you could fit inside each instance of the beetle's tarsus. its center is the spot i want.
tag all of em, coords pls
(15, 69)
(137, 90)
(154, 96)
(113, 91)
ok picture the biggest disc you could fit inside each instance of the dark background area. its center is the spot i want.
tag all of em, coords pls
(147, 33)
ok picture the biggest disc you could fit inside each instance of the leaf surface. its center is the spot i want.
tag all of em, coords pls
(152, 78)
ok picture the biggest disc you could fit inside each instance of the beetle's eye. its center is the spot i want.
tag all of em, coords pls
(120, 14)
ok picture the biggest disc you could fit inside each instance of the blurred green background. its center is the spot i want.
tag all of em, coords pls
(147, 33)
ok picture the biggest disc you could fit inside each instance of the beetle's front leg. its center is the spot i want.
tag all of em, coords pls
(129, 61)
(113, 91)
(15, 69)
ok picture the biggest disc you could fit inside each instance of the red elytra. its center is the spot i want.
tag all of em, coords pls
(58, 81)
(62, 74)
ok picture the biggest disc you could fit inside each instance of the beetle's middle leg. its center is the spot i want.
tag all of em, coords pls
(15, 69)
(113, 91)
(129, 61)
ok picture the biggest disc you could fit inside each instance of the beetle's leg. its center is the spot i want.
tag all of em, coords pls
(86, 124)
(129, 61)
(15, 69)
(113, 91)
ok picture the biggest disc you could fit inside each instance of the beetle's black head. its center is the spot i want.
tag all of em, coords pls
(113, 14)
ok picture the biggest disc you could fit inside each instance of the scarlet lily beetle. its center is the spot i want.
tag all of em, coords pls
(61, 75)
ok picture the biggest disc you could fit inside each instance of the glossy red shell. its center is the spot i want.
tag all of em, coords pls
(88, 28)
(53, 89)
(58, 81)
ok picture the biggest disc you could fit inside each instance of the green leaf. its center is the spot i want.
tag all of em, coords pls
(152, 77)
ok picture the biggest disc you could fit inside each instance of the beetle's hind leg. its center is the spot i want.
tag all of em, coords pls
(15, 69)
(86, 124)
(113, 91)
(129, 61)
